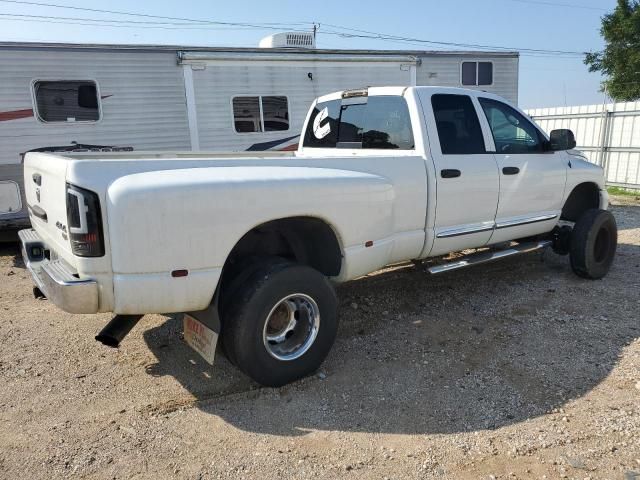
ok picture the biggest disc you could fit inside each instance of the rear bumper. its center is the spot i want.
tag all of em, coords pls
(56, 278)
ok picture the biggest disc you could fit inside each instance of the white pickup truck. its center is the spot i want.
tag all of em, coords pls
(250, 245)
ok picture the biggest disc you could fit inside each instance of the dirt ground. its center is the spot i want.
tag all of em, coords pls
(516, 369)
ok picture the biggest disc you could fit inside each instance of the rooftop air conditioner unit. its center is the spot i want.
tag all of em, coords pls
(289, 40)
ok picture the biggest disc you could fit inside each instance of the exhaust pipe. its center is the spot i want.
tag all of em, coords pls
(118, 328)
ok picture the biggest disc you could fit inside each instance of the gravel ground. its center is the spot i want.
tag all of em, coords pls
(518, 369)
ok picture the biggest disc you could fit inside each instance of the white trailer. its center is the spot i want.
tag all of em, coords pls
(151, 97)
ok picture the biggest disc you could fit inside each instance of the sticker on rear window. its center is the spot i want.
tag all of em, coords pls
(321, 131)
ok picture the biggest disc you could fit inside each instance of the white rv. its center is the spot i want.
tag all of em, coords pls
(142, 97)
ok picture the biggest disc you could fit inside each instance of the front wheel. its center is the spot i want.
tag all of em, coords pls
(281, 323)
(593, 244)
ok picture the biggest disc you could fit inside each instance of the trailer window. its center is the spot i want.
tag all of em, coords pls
(260, 114)
(67, 101)
(477, 73)
(246, 114)
(458, 126)
(275, 111)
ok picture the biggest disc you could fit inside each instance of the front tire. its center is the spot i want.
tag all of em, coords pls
(593, 244)
(281, 323)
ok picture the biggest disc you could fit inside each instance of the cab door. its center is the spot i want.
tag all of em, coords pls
(467, 182)
(532, 178)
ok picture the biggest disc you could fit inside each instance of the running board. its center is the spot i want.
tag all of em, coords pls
(489, 256)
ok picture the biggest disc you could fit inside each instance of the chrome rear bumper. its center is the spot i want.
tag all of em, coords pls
(56, 278)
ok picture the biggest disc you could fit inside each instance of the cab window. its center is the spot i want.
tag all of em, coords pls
(512, 132)
(378, 122)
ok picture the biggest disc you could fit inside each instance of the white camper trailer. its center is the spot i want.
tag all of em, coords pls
(79, 97)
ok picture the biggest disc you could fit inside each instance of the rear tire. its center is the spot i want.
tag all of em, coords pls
(281, 323)
(593, 244)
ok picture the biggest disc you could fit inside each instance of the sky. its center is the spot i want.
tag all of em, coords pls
(546, 79)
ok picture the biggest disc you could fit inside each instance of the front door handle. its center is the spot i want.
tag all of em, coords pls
(450, 173)
(510, 170)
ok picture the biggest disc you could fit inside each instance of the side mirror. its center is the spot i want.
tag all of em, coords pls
(562, 139)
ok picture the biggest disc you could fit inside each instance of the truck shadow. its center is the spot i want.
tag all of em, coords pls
(469, 350)
(11, 249)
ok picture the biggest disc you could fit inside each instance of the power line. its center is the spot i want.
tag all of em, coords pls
(160, 26)
(555, 4)
(132, 14)
(188, 23)
(383, 36)
(132, 23)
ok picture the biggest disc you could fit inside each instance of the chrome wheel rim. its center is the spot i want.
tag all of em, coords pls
(291, 327)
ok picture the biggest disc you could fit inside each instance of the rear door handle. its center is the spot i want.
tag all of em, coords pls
(510, 170)
(450, 173)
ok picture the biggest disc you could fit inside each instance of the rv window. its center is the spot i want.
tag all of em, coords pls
(477, 73)
(275, 111)
(469, 73)
(485, 73)
(67, 101)
(260, 114)
(246, 114)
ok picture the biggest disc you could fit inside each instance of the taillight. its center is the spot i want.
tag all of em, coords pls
(84, 222)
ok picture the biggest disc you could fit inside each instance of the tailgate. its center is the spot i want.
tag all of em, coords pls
(45, 192)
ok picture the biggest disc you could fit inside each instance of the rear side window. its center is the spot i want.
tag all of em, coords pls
(458, 126)
(67, 101)
(378, 122)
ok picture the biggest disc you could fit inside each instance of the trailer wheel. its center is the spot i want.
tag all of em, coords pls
(593, 244)
(280, 325)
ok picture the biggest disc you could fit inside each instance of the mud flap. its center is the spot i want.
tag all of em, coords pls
(202, 329)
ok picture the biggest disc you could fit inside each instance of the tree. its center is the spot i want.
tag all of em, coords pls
(620, 59)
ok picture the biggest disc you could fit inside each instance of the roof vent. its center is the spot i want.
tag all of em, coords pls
(289, 40)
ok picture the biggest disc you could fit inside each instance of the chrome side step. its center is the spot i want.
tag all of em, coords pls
(489, 256)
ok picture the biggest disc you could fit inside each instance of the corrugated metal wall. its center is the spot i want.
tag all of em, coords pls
(608, 134)
(144, 104)
(444, 70)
